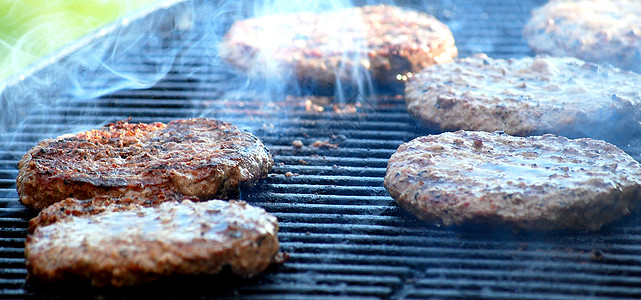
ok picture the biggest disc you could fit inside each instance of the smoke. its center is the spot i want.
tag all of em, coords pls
(185, 35)
(138, 50)
(89, 67)
(266, 76)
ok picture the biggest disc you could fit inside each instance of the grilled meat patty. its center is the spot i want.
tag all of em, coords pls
(324, 47)
(527, 96)
(132, 245)
(603, 31)
(196, 157)
(540, 182)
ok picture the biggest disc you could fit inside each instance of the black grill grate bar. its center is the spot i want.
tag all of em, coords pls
(16, 153)
(418, 236)
(12, 211)
(532, 287)
(352, 152)
(8, 201)
(335, 218)
(325, 179)
(15, 262)
(323, 161)
(347, 269)
(329, 189)
(317, 209)
(12, 262)
(451, 248)
(482, 255)
(363, 279)
(7, 182)
(265, 197)
(313, 288)
(348, 133)
(444, 260)
(12, 251)
(359, 143)
(17, 241)
(372, 228)
(534, 275)
(479, 292)
(15, 222)
(7, 273)
(12, 231)
(15, 282)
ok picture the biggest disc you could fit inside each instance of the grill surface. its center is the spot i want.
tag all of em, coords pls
(345, 236)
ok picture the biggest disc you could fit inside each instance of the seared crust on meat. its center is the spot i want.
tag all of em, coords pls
(540, 182)
(528, 96)
(196, 157)
(602, 31)
(140, 244)
(322, 47)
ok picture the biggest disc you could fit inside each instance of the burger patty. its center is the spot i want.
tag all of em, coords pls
(603, 31)
(126, 247)
(195, 157)
(540, 182)
(386, 41)
(560, 95)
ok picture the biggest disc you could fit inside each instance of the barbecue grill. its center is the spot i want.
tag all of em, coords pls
(345, 236)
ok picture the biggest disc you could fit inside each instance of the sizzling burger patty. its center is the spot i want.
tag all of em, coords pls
(195, 157)
(525, 96)
(539, 182)
(604, 31)
(322, 47)
(125, 247)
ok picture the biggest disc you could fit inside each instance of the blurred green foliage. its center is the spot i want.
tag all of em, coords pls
(31, 29)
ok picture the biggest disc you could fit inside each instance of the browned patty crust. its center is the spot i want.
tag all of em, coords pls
(141, 244)
(526, 96)
(323, 47)
(603, 31)
(540, 182)
(196, 157)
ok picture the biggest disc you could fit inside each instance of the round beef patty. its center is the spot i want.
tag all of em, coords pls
(141, 244)
(386, 41)
(196, 157)
(603, 31)
(541, 182)
(527, 96)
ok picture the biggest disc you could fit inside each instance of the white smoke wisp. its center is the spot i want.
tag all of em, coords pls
(91, 66)
(272, 72)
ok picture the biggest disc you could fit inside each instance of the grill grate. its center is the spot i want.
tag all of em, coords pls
(345, 236)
